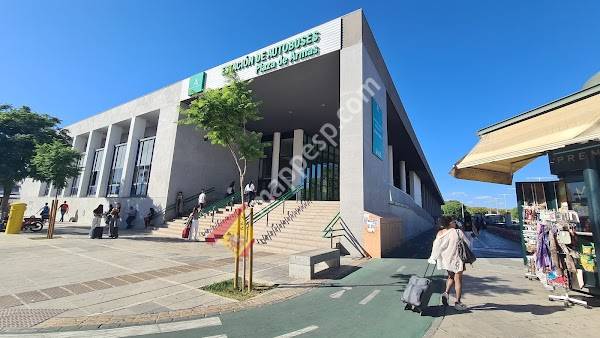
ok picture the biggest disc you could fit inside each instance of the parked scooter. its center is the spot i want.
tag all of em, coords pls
(32, 224)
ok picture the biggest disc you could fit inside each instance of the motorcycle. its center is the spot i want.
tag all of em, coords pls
(32, 224)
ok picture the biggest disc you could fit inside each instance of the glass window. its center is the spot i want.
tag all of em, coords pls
(92, 186)
(116, 171)
(77, 179)
(143, 163)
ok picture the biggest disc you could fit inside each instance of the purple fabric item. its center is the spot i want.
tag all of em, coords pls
(542, 254)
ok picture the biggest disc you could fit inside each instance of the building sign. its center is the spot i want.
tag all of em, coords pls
(574, 159)
(196, 84)
(377, 130)
(308, 45)
(281, 55)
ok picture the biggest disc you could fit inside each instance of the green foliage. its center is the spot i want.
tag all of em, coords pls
(20, 131)
(55, 162)
(223, 114)
(478, 210)
(514, 213)
(452, 208)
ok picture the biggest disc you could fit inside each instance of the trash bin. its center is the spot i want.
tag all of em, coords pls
(15, 218)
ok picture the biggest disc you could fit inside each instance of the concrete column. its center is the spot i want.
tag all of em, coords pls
(93, 143)
(298, 147)
(402, 175)
(113, 137)
(415, 187)
(275, 161)
(391, 164)
(136, 132)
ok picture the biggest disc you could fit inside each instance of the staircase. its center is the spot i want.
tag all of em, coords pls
(289, 232)
(290, 227)
(174, 228)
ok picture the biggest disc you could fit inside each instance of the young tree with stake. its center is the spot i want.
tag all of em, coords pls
(223, 114)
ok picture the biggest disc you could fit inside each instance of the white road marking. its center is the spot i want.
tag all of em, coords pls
(129, 331)
(299, 332)
(369, 297)
(400, 269)
(219, 336)
(340, 293)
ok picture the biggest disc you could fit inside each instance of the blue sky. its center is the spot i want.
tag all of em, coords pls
(458, 65)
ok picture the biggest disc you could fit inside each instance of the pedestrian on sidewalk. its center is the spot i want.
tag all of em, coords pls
(64, 208)
(195, 215)
(113, 226)
(96, 219)
(230, 189)
(131, 215)
(149, 216)
(446, 256)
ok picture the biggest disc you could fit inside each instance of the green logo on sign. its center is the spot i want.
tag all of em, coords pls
(197, 83)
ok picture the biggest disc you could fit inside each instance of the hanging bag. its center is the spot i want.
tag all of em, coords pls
(464, 252)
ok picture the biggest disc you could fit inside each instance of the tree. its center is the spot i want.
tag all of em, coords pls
(223, 114)
(20, 131)
(55, 163)
(452, 208)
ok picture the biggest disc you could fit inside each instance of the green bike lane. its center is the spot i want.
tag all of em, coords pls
(365, 303)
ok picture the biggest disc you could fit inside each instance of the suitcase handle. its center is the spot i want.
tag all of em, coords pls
(427, 268)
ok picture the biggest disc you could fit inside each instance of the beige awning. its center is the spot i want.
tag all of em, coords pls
(502, 151)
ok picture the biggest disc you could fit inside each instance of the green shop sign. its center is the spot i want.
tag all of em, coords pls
(279, 56)
(197, 83)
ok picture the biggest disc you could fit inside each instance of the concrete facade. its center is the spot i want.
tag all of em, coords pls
(396, 185)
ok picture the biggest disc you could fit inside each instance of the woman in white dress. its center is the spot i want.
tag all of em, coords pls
(195, 224)
(96, 219)
(445, 255)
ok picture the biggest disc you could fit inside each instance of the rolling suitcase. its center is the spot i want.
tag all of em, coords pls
(415, 289)
(97, 232)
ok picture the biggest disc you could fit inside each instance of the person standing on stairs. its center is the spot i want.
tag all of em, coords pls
(179, 204)
(202, 200)
(195, 215)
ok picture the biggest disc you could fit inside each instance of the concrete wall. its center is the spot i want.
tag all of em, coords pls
(364, 178)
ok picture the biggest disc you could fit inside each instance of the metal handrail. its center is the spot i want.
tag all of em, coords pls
(329, 231)
(281, 199)
(186, 200)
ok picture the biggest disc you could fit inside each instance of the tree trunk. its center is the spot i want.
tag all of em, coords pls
(4, 206)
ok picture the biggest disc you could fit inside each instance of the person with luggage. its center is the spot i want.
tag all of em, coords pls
(445, 254)
(64, 208)
(97, 229)
(195, 220)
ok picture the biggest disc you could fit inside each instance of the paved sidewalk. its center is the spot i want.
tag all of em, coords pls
(505, 304)
(75, 282)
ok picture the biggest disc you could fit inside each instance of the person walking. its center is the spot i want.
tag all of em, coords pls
(64, 208)
(113, 226)
(179, 204)
(131, 215)
(445, 255)
(45, 213)
(149, 217)
(195, 215)
(202, 199)
(96, 219)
